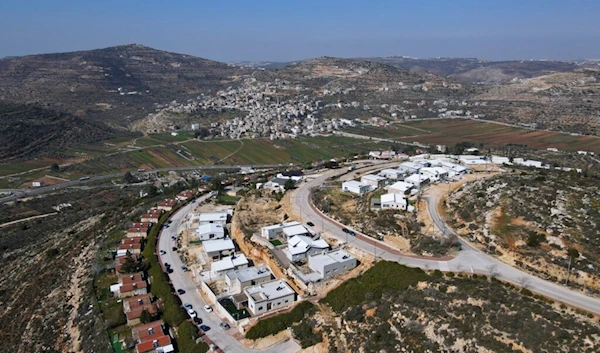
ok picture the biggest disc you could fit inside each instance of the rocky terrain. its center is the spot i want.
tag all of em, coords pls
(392, 308)
(540, 221)
(30, 131)
(117, 84)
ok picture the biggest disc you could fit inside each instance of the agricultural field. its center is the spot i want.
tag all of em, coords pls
(19, 167)
(452, 131)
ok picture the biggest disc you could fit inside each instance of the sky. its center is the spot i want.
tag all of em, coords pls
(290, 30)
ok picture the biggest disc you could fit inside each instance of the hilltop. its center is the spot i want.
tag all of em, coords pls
(116, 84)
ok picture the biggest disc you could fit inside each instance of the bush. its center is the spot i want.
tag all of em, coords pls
(280, 322)
(305, 334)
(385, 276)
(187, 334)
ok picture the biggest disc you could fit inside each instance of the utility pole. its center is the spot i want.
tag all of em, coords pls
(568, 271)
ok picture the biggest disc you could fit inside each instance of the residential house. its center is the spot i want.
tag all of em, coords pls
(137, 232)
(375, 181)
(392, 174)
(151, 338)
(400, 187)
(184, 195)
(276, 184)
(134, 306)
(408, 168)
(218, 247)
(132, 248)
(131, 285)
(269, 296)
(417, 180)
(210, 231)
(167, 205)
(276, 230)
(229, 263)
(213, 217)
(239, 279)
(434, 173)
(331, 263)
(300, 246)
(152, 216)
(393, 201)
(355, 187)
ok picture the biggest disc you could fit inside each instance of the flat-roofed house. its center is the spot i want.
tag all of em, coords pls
(269, 296)
(355, 187)
(375, 181)
(332, 263)
(213, 217)
(300, 246)
(393, 201)
(210, 231)
(229, 263)
(218, 247)
(246, 277)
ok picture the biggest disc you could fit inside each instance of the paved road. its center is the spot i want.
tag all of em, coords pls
(468, 260)
(31, 192)
(182, 280)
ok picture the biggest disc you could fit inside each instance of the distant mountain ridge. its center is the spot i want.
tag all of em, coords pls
(114, 84)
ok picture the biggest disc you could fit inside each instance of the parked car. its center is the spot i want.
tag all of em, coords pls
(173, 237)
(351, 233)
(224, 326)
(162, 252)
(184, 269)
(191, 313)
(207, 308)
(167, 265)
(174, 248)
(187, 306)
(180, 291)
(197, 320)
(345, 230)
(204, 328)
(310, 224)
(169, 270)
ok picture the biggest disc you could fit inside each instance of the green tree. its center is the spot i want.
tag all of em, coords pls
(55, 167)
(152, 191)
(145, 317)
(573, 253)
(128, 178)
(289, 185)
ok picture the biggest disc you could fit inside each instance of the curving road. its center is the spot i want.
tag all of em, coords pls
(183, 280)
(31, 192)
(469, 259)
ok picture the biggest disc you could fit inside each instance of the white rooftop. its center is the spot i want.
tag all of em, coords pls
(373, 177)
(401, 185)
(229, 263)
(392, 171)
(283, 225)
(331, 257)
(397, 198)
(299, 244)
(354, 183)
(416, 179)
(295, 230)
(218, 245)
(270, 290)
(249, 274)
(212, 216)
(210, 228)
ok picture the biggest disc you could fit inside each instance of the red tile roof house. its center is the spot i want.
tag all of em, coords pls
(167, 205)
(152, 216)
(142, 225)
(120, 260)
(134, 248)
(132, 285)
(151, 336)
(137, 232)
(134, 306)
(184, 195)
(132, 240)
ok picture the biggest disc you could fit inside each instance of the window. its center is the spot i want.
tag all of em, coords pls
(260, 308)
(286, 300)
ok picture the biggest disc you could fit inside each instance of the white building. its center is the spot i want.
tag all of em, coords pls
(400, 187)
(269, 296)
(393, 201)
(410, 167)
(355, 187)
(392, 174)
(331, 263)
(375, 181)
(251, 276)
(417, 180)
(434, 173)
(213, 217)
(283, 230)
(227, 264)
(210, 231)
(299, 247)
(219, 247)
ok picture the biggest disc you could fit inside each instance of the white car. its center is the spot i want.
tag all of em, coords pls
(207, 308)
(191, 313)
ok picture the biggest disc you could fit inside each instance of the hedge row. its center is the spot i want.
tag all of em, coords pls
(280, 322)
(173, 314)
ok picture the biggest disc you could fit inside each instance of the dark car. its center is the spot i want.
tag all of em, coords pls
(162, 252)
(197, 320)
(167, 265)
(310, 224)
(204, 328)
(169, 270)
(174, 248)
(180, 291)
(351, 233)
(172, 237)
(184, 269)
(224, 326)
(345, 230)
